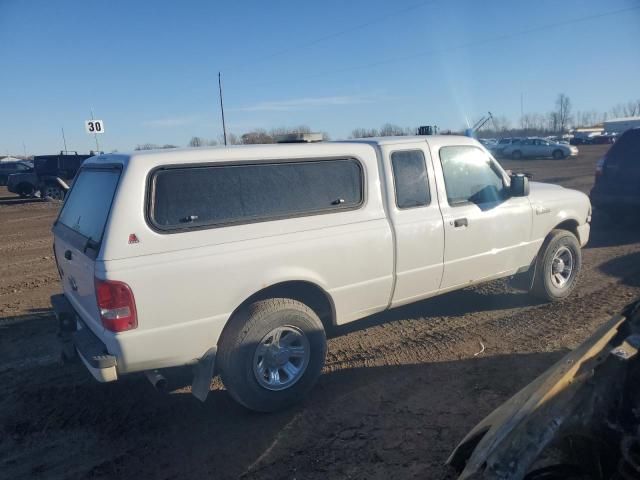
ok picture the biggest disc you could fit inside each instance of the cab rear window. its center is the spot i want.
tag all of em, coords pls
(87, 207)
(206, 196)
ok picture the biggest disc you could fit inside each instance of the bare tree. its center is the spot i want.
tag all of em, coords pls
(256, 137)
(587, 118)
(563, 111)
(146, 146)
(274, 132)
(168, 145)
(629, 109)
(232, 139)
(364, 133)
(196, 142)
(390, 130)
(553, 122)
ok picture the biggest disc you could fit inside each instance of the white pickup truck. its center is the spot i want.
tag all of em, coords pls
(236, 260)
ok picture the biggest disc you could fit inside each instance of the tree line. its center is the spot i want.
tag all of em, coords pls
(257, 136)
(557, 121)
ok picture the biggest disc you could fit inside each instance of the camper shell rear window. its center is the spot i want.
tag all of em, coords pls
(88, 203)
(213, 195)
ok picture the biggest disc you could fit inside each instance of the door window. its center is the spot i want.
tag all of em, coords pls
(410, 179)
(470, 176)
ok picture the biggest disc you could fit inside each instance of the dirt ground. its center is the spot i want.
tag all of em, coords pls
(399, 389)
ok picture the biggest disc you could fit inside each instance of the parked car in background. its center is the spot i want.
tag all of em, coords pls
(272, 244)
(9, 168)
(497, 148)
(603, 139)
(617, 183)
(51, 175)
(580, 141)
(539, 148)
(488, 143)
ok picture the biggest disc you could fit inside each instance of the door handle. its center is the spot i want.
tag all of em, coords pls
(67, 254)
(460, 222)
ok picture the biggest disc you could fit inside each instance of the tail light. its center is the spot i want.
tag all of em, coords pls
(116, 304)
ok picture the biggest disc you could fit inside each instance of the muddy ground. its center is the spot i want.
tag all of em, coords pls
(399, 389)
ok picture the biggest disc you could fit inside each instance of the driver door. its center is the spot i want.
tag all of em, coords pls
(487, 233)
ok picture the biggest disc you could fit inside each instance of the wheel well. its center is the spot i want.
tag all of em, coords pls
(570, 225)
(306, 292)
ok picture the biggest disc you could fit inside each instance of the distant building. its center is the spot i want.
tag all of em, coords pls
(619, 125)
(10, 159)
(299, 138)
(587, 132)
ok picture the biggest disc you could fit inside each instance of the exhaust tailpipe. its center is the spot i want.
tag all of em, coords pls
(157, 380)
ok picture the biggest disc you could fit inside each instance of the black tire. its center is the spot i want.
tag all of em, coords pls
(545, 286)
(25, 190)
(238, 352)
(558, 154)
(516, 155)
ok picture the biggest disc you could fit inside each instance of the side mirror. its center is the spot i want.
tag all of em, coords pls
(519, 185)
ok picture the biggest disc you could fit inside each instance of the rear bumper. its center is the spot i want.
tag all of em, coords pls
(77, 339)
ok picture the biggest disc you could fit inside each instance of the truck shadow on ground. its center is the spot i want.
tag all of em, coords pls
(363, 421)
(624, 267)
(494, 296)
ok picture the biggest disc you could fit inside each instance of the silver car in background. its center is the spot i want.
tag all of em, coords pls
(539, 147)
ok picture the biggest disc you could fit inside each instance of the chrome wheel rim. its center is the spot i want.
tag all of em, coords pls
(562, 267)
(53, 192)
(281, 358)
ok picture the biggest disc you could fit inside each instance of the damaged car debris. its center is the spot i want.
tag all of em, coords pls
(578, 420)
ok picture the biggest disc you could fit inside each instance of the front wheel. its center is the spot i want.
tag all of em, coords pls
(557, 266)
(558, 154)
(516, 155)
(272, 353)
(25, 190)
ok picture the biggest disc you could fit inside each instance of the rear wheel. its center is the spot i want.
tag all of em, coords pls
(271, 353)
(558, 154)
(516, 155)
(557, 266)
(52, 191)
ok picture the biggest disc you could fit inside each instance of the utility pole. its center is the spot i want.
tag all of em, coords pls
(24, 150)
(224, 128)
(521, 110)
(64, 140)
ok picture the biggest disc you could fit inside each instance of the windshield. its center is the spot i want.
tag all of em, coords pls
(89, 202)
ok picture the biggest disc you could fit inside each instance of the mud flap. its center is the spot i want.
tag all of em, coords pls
(202, 375)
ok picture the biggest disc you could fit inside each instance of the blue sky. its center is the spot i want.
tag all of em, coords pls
(149, 68)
